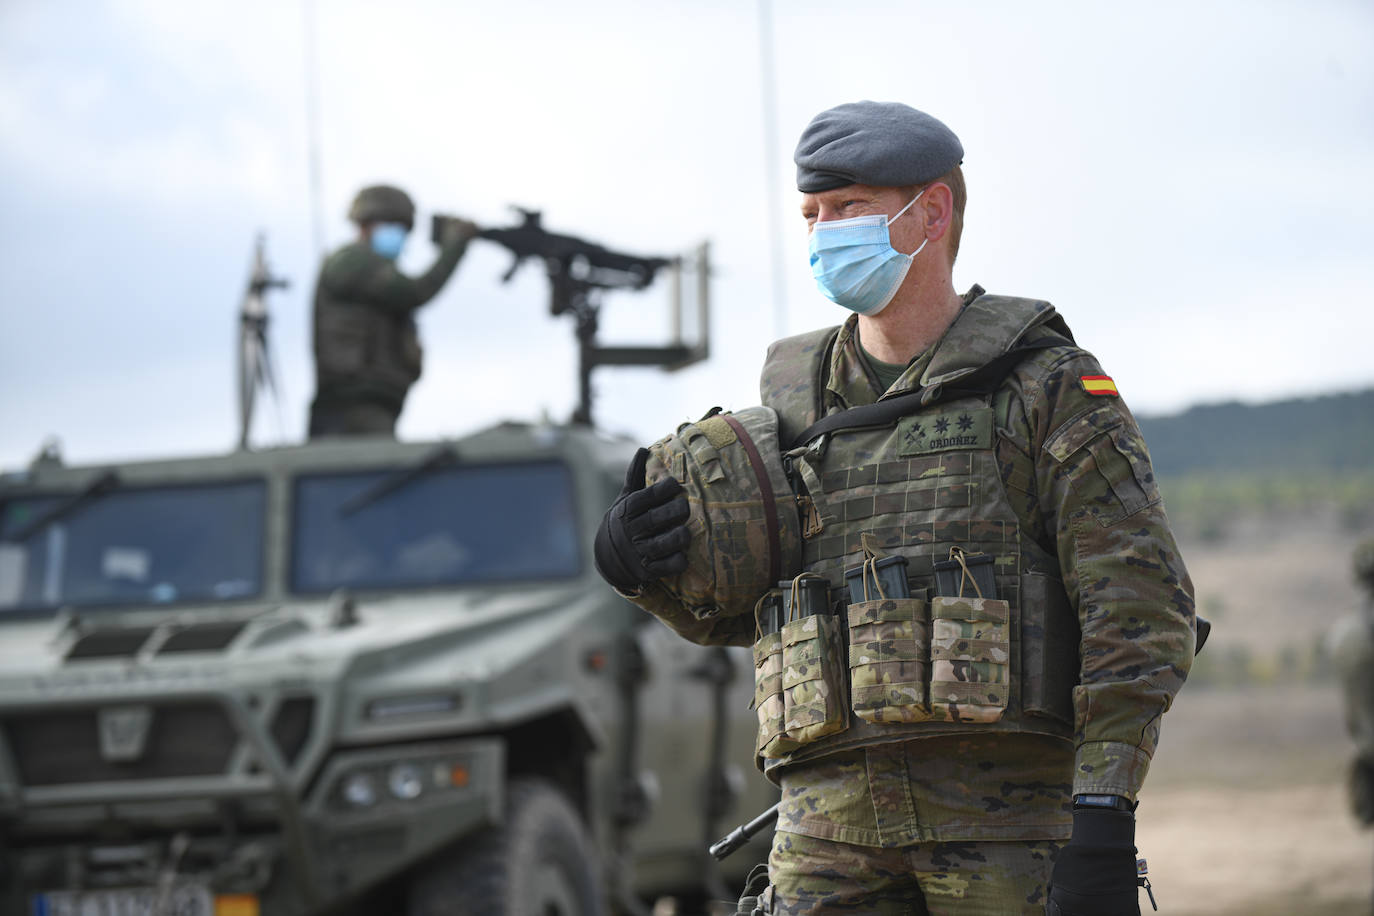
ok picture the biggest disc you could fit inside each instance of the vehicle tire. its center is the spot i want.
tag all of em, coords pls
(540, 862)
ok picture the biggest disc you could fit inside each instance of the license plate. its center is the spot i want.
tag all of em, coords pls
(181, 900)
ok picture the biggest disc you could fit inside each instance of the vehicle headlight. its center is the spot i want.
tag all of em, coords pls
(405, 781)
(379, 784)
(359, 790)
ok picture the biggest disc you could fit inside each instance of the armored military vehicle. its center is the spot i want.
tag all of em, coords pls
(352, 676)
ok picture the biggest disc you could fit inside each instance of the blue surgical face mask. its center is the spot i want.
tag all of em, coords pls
(854, 262)
(388, 239)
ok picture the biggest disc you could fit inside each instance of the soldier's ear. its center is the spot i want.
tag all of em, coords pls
(938, 204)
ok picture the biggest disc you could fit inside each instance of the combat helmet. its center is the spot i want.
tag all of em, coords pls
(382, 203)
(746, 531)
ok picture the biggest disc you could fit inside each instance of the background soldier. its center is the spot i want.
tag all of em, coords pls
(1353, 640)
(367, 351)
(988, 730)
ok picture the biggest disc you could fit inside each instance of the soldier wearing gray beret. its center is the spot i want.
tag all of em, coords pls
(963, 742)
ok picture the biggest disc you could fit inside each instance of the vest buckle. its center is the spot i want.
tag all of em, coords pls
(812, 523)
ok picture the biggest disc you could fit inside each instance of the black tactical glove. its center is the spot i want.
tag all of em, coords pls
(644, 534)
(1095, 874)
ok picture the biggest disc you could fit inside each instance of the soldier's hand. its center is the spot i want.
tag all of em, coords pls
(1095, 874)
(457, 230)
(644, 535)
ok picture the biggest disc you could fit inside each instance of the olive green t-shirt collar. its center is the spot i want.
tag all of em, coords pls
(884, 374)
(857, 378)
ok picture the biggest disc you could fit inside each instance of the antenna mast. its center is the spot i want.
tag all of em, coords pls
(255, 359)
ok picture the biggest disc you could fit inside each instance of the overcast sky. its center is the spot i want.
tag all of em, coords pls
(1190, 183)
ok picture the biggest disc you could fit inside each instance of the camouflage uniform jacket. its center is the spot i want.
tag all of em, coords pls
(1069, 508)
(366, 345)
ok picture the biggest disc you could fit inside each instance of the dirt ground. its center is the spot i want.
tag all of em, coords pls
(1275, 581)
(1245, 808)
(1245, 812)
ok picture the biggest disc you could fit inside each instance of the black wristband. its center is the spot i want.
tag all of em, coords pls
(1110, 802)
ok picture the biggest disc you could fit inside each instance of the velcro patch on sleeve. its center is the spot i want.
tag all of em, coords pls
(1099, 384)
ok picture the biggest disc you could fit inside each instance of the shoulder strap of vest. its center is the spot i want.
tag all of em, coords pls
(981, 382)
(793, 379)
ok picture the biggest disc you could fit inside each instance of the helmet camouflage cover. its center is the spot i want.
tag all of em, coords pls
(746, 532)
(382, 203)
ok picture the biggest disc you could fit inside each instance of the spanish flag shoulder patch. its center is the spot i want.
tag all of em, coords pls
(1099, 384)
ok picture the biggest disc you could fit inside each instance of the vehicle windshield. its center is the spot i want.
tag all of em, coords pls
(451, 525)
(133, 546)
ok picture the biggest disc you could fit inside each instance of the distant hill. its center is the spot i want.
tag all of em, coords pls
(1324, 434)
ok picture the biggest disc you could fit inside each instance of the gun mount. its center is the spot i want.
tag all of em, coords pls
(580, 271)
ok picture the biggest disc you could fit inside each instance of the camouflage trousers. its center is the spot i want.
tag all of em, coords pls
(993, 878)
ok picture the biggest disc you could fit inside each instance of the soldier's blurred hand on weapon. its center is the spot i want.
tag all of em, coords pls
(453, 230)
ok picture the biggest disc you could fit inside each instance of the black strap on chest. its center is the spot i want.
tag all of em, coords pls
(982, 382)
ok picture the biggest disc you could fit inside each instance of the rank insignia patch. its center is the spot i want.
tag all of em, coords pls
(1098, 384)
(942, 432)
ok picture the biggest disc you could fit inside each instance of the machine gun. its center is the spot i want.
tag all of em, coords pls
(579, 272)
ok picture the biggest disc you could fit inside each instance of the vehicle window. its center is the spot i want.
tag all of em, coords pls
(449, 526)
(133, 546)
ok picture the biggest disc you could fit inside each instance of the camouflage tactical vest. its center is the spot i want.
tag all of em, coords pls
(363, 350)
(931, 483)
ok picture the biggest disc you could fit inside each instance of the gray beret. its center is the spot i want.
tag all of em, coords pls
(885, 144)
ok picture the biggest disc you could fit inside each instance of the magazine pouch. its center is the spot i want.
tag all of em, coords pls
(889, 642)
(813, 678)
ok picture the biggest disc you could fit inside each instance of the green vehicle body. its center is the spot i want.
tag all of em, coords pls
(220, 689)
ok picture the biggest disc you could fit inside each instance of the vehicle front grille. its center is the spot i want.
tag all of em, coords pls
(291, 726)
(110, 643)
(63, 747)
(210, 637)
(126, 642)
